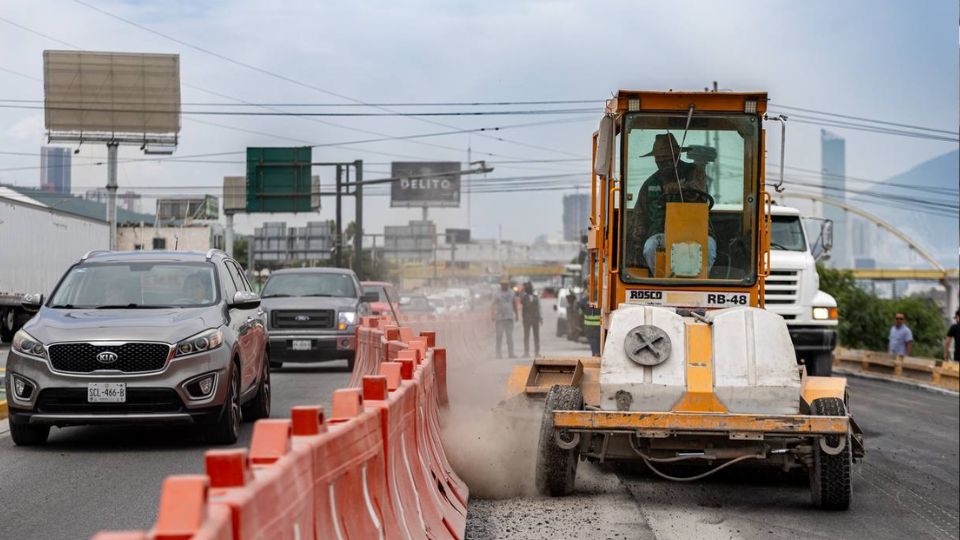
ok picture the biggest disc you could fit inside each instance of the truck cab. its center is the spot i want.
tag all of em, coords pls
(793, 292)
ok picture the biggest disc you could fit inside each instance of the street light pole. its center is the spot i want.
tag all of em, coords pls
(112, 148)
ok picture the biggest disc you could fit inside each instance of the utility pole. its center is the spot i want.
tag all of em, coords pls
(469, 185)
(338, 238)
(358, 221)
(112, 148)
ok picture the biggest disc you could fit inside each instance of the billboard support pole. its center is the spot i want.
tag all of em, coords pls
(228, 234)
(338, 239)
(358, 221)
(112, 148)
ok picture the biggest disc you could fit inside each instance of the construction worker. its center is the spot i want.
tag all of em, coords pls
(505, 315)
(532, 319)
(674, 181)
(591, 321)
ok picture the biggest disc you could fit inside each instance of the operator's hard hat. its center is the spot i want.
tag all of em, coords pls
(661, 146)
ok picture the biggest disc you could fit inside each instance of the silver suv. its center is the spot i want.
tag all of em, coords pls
(141, 337)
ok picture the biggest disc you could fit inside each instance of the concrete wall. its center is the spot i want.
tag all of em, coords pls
(191, 238)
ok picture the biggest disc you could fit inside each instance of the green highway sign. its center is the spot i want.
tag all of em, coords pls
(279, 180)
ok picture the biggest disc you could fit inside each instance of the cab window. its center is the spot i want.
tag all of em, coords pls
(689, 198)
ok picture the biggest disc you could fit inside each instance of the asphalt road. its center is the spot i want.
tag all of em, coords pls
(88, 479)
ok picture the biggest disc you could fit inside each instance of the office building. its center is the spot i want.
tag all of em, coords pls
(55, 169)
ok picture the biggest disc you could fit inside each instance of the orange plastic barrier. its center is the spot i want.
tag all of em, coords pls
(374, 469)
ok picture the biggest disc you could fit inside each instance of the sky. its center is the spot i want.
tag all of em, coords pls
(895, 61)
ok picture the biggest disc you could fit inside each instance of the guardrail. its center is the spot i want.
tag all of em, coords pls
(375, 468)
(898, 367)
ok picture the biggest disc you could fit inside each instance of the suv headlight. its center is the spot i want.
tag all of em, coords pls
(24, 343)
(825, 314)
(346, 318)
(204, 341)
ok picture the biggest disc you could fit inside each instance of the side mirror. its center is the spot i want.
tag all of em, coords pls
(826, 232)
(245, 300)
(32, 302)
(370, 297)
(605, 136)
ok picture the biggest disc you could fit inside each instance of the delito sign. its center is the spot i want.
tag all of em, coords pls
(424, 183)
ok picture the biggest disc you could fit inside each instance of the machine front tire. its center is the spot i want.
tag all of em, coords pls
(820, 364)
(831, 486)
(556, 467)
(561, 327)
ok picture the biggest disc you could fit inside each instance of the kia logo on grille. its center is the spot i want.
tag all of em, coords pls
(302, 318)
(107, 357)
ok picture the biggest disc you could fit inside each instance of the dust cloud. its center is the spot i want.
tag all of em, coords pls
(491, 443)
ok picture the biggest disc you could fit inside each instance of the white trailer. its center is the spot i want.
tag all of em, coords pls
(37, 245)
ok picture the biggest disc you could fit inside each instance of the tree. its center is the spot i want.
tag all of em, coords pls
(240, 253)
(865, 319)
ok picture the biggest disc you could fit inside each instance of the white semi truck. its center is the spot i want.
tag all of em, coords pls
(793, 289)
(37, 244)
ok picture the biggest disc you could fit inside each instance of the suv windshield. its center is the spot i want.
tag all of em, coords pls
(137, 285)
(689, 197)
(309, 284)
(786, 233)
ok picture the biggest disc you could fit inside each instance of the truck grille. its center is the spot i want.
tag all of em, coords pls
(297, 319)
(782, 287)
(131, 357)
(139, 400)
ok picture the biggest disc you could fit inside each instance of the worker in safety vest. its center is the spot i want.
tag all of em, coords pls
(591, 321)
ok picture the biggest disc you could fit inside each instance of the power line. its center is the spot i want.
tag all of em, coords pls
(860, 118)
(289, 79)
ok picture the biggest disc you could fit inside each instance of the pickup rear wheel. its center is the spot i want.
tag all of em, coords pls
(556, 467)
(831, 485)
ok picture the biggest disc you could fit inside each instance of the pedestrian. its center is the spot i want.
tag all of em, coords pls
(953, 336)
(505, 316)
(591, 321)
(532, 319)
(901, 338)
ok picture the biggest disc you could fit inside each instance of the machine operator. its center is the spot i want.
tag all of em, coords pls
(674, 180)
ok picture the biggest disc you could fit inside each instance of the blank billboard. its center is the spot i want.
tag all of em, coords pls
(129, 93)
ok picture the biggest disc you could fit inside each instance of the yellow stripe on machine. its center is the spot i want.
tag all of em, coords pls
(699, 372)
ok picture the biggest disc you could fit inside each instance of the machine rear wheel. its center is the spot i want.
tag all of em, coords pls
(556, 467)
(830, 479)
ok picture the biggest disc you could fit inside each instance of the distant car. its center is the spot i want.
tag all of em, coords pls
(417, 304)
(312, 314)
(141, 337)
(387, 298)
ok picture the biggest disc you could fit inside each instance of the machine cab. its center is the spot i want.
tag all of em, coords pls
(678, 212)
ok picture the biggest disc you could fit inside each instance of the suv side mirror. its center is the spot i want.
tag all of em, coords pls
(245, 300)
(32, 302)
(369, 297)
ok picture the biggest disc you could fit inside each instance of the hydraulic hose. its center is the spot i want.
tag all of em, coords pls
(649, 459)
